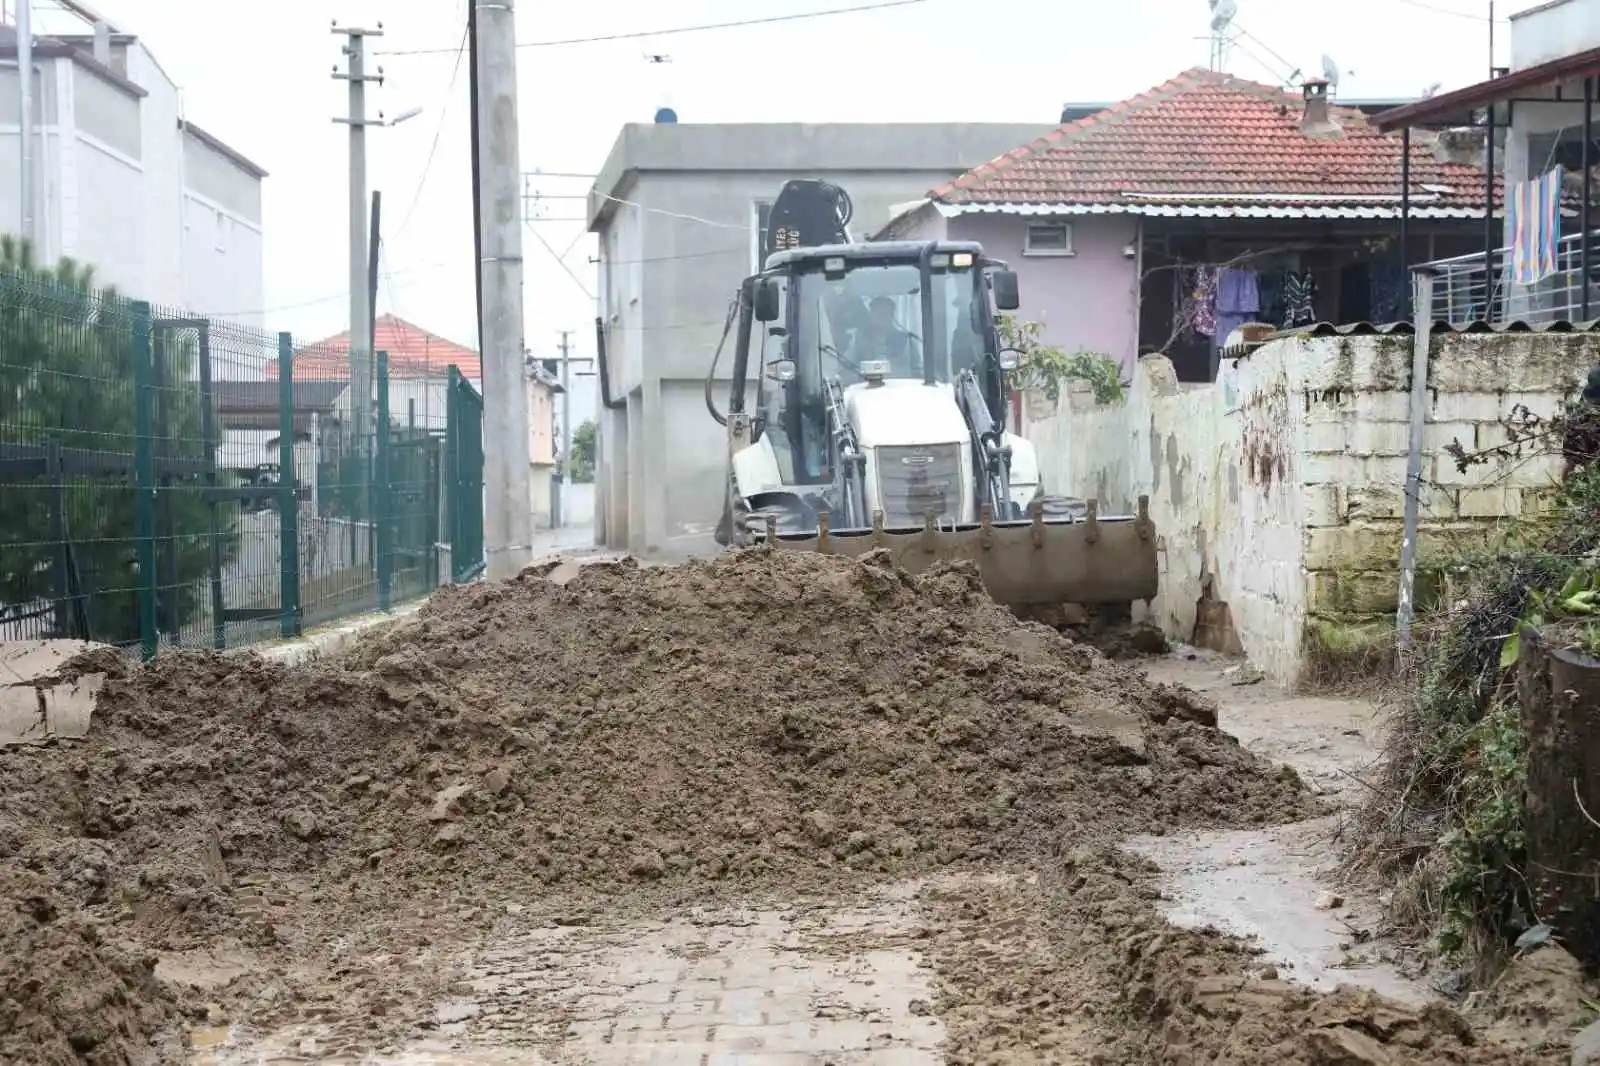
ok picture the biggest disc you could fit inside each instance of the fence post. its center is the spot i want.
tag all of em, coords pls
(288, 504)
(61, 565)
(382, 495)
(144, 477)
(452, 463)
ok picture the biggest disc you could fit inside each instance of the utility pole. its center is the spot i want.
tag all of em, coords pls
(25, 119)
(360, 305)
(508, 518)
(559, 518)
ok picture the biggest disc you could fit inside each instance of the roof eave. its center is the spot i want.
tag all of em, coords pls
(1496, 90)
(1178, 209)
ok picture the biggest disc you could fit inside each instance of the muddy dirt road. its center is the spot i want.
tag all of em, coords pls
(887, 976)
(774, 809)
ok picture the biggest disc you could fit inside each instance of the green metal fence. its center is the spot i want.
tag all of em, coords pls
(168, 480)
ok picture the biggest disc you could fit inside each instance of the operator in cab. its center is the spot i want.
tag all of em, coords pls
(883, 338)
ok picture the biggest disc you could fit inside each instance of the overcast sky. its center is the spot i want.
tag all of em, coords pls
(257, 76)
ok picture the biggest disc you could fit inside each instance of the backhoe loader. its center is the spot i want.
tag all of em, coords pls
(878, 382)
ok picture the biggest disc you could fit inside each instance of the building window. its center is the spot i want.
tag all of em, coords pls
(1048, 238)
(760, 216)
(222, 232)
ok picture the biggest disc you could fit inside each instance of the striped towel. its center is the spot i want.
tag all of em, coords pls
(1534, 209)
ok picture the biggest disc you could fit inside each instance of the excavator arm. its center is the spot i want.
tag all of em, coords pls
(808, 213)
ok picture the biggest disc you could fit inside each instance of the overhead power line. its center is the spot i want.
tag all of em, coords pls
(1452, 11)
(630, 35)
(438, 131)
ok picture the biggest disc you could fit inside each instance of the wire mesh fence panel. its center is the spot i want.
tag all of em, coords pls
(412, 420)
(337, 537)
(175, 481)
(464, 478)
(246, 596)
(70, 415)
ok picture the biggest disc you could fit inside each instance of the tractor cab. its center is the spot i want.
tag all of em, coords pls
(828, 322)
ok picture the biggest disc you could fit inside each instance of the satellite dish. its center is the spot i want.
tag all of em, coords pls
(1431, 91)
(1330, 71)
(1222, 14)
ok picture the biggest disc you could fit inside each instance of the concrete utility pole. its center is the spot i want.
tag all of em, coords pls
(559, 519)
(360, 308)
(25, 119)
(508, 518)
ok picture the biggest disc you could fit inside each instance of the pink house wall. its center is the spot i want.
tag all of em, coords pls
(1088, 300)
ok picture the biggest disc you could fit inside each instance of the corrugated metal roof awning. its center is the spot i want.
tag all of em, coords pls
(1496, 90)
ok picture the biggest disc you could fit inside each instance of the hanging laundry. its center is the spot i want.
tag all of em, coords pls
(1238, 300)
(1299, 300)
(1534, 208)
(1237, 292)
(1390, 291)
(1199, 307)
(1270, 289)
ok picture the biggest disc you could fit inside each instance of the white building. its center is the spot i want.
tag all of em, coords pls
(162, 209)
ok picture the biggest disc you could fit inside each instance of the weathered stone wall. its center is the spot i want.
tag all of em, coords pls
(1279, 491)
(1357, 397)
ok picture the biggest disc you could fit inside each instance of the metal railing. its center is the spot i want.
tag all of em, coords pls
(168, 482)
(1480, 288)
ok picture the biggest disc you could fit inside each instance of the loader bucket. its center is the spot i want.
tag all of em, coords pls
(1023, 564)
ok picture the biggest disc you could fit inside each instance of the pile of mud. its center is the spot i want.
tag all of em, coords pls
(72, 993)
(761, 721)
(1137, 990)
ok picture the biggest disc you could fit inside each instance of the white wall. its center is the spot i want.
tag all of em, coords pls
(223, 248)
(102, 234)
(113, 191)
(431, 396)
(1553, 30)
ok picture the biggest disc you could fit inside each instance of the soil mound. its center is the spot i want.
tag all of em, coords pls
(764, 720)
(1138, 990)
(68, 993)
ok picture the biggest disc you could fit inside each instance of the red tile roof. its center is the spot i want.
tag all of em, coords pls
(1209, 137)
(413, 353)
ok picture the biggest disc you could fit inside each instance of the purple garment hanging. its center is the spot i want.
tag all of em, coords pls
(1237, 292)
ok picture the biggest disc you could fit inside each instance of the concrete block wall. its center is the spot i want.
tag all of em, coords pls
(1278, 492)
(1357, 398)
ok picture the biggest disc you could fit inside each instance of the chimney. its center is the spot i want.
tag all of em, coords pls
(102, 43)
(1463, 145)
(1317, 121)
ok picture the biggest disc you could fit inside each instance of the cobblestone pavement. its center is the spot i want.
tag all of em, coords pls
(804, 987)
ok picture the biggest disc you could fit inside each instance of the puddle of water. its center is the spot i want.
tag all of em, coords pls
(1263, 885)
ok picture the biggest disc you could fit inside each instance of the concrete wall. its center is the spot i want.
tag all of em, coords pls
(675, 210)
(1553, 30)
(541, 423)
(1278, 492)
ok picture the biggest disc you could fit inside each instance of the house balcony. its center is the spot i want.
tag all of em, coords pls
(1479, 288)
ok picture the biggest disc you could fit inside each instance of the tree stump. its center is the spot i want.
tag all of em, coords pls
(1558, 693)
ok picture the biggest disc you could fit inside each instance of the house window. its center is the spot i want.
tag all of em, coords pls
(760, 216)
(222, 232)
(1048, 238)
